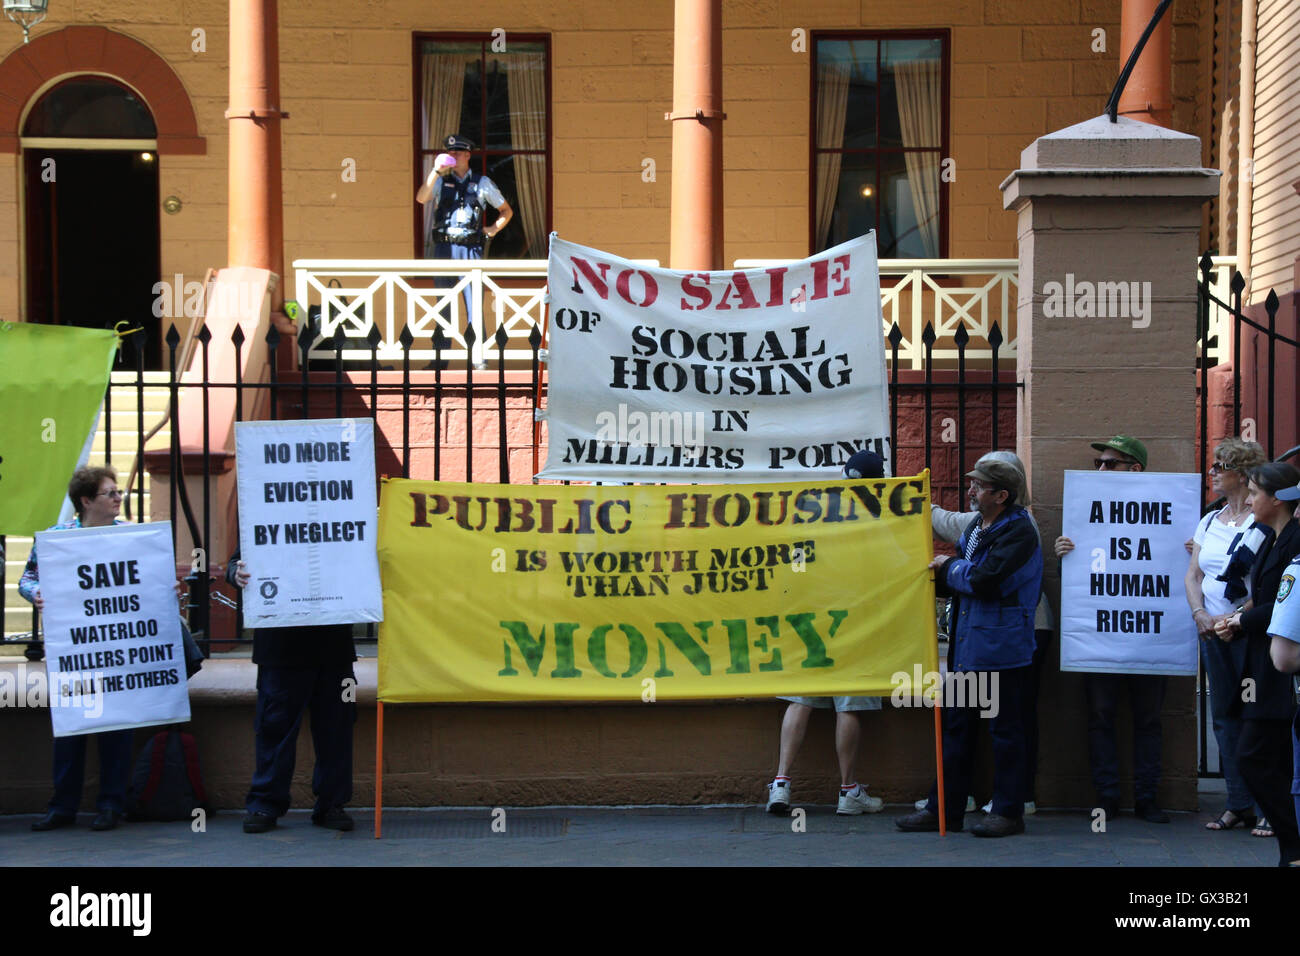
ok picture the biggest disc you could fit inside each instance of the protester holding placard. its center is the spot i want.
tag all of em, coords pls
(301, 667)
(1266, 703)
(949, 526)
(1217, 537)
(95, 495)
(854, 799)
(1146, 692)
(995, 585)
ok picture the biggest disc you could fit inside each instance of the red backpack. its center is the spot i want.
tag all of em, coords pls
(166, 783)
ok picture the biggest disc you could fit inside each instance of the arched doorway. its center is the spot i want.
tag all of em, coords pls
(90, 180)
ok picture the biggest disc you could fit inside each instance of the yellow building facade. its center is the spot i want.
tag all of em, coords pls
(351, 77)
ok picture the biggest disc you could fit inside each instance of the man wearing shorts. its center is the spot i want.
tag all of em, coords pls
(854, 798)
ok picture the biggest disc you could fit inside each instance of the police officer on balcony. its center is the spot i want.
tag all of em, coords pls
(460, 198)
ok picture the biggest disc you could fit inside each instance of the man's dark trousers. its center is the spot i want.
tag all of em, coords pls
(283, 693)
(1146, 695)
(70, 771)
(1007, 729)
(447, 250)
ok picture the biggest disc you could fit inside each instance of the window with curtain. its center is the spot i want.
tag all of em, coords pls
(879, 140)
(499, 99)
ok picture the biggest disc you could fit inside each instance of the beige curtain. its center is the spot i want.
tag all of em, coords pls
(526, 77)
(443, 85)
(919, 112)
(832, 104)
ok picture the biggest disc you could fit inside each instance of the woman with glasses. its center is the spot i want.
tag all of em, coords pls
(1266, 703)
(95, 495)
(1217, 536)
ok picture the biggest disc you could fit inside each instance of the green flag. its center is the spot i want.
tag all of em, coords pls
(52, 381)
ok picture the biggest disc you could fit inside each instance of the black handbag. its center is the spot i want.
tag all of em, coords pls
(193, 655)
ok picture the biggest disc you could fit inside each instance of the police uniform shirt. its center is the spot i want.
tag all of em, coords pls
(488, 193)
(1286, 610)
(1286, 624)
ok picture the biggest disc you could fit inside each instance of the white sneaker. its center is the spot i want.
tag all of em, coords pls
(970, 804)
(778, 796)
(1030, 808)
(853, 803)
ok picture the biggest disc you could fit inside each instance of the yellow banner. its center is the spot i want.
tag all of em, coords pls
(550, 592)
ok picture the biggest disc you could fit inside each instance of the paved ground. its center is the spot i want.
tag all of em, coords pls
(721, 836)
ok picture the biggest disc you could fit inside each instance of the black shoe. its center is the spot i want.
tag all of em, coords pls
(1109, 806)
(922, 821)
(106, 820)
(1148, 811)
(335, 818)
(52, 821)
(996, 825)
(255, 822)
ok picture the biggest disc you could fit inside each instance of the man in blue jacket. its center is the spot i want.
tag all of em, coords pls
(994, 584)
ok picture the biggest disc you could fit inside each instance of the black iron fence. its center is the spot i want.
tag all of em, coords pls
(296, 388)
(1267, 359)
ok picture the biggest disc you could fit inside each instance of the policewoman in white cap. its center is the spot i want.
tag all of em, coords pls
(1267, 711)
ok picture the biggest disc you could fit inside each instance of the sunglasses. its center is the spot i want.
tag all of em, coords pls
(1110, 464)
(1218, 468)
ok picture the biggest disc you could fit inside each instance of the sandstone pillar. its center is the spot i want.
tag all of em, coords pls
(1104, 202)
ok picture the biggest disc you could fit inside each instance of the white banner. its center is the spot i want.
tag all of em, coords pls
(1123, 604)
(307, 512)
(773, 374)
(113, 650)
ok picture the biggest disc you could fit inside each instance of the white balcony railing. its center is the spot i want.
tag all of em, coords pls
(357, 295)
(945, 293)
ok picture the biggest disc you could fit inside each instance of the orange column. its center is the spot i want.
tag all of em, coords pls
(1147, 95)
(697, 135)
(255, 228)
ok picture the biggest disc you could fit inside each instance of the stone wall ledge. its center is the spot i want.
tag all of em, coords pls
(226, 682)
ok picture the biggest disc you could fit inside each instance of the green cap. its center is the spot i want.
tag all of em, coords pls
(1125, 445)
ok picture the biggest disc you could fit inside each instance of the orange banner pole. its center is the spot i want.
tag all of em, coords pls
(379, 768)
(938, 762)
(537, 394)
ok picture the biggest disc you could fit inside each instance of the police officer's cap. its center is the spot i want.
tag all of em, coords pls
(457, 142)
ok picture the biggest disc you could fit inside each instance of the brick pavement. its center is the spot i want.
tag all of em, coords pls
(725, 836)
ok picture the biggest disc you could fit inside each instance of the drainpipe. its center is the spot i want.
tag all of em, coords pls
(696, 234)
(255, 227)
(1147, 96)
(1246, 146)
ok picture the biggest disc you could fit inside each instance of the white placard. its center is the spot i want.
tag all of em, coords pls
(773, 374)
(1123, 603)
(307, 521)
(113, 651)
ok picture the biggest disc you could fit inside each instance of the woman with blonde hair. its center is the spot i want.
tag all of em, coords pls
(1212, 593)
